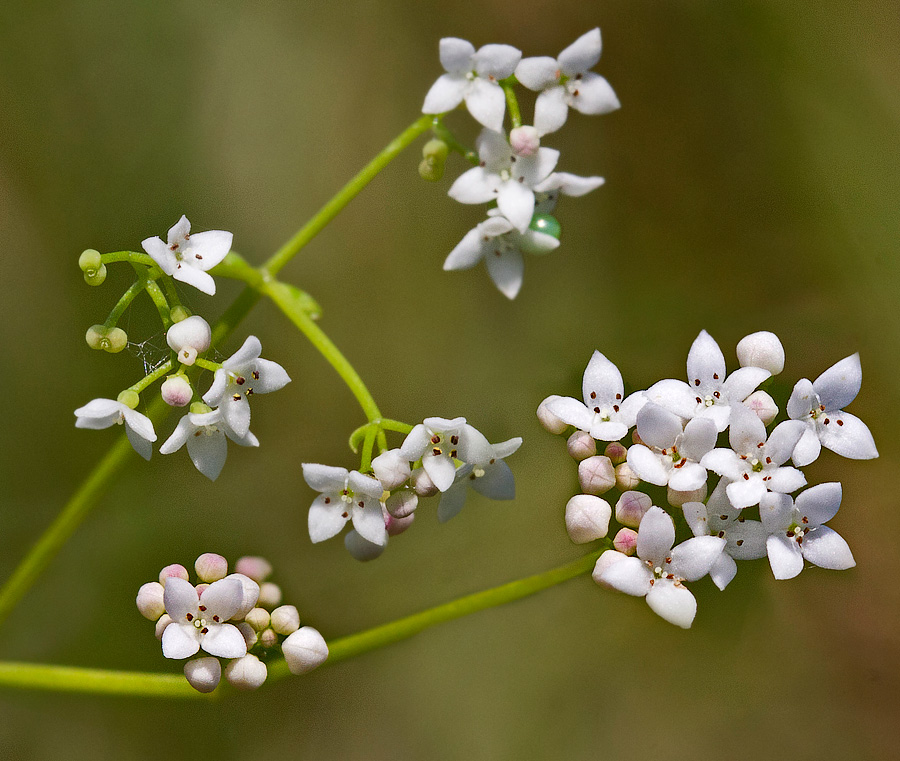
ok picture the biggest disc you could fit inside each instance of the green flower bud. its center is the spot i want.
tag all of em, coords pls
(129, 398)
(95, 277)
(547, 224)
(179, 313)
(199, 408)
(436, 149)
(90, 260)
(431, 170)
(96, 335)
(116, 340)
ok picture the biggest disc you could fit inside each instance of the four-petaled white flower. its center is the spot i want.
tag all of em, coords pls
(566, 83)
(796, 532)
(437, 442)
(505, 178)
(501, 246)
(240, 376)
(820, 405)
(659, 571)
(472, 76)
(201, 621)
(345, 495)
(605, 413)
(102, 413)
(204, 433)
(547, 193)
(187, 257)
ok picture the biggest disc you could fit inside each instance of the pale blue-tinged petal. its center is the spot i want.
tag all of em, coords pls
(776, 512)
(208, 452)
(687, 477)
(783, 439)
(691, 560)
(224, 641)
(487, 103)
(610, 430)
(746, 540)
(324, 478)
(366, 485)
(582, 54)
(723, 570)
(272, 377)
(840, 383)
(222, 598)
(415, 443)
(140, 445)
(456, 54)
(452, 502)
(180, 640)
(592, 95)
(551, 110)
(369, 522)
(533, 170)
(601, 383)
(807, 449)
(743, 382)
(497, 61)
(445, 94)
(506, 270)
(538, 72)
(210, 247)
(746, 492)
(506, 448)
(326, 519)
(516, 202)
(656, 535)
(362, 549)
(658, 427)
(724, 462)
(497, 482)
(784, 556)
(802, 400)
(179, 436)
(827, 549)
(675, 395)
(820, 503)
(440, 470)
(847, 436)
(705, 362)
(571, 412)
(697, 518)
(195, 277)
(217, 390)
(672, 602)
(629, 575)
(629, 409)
(785, 480)
(160, 253)
(468, 252)
(180, 599)
(475, 186)
(718, 414)
(746, 431)
(700, 436)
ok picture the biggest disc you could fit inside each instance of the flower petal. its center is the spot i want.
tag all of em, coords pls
(210, 247)
(656, 535)
(180, 640)
(629, 575)
(497, 61)
(723, 571)
(827, 549)
(180, 599)
(785, 480)
(658, 427)
(440, 470)
(742, 382)
(550, 110)
(506, 270)
(468, 252)
(516, 203)
(224, 641)
(688, 477)
(705, 361)
(369, 522)
(497, 482)
(820, 503)
(222, 598)
(538, 72)
(672, 602)
(208, 452)
(776, 512)
(456, 54)
(326, 519)
(445, 94)
(179, 436)
(475, 186)
(191, 275)
(324, 478)
(746, 492)
(784, 556)
(647, 465)
(571, 412)
(691, 560)
(487, 103)
(415, 443)
(802, 400)
(840, 383)
(582, 54)
(272, 377)
(593, 95)
(452, 502)
(143, 447)
(807, 449)
(602, 382)
(847, 436)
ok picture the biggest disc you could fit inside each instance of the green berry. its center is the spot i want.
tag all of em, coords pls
(95, 277)
(96, 335)
(129, 398)
(431, 170)
(436, 149)
(90, 260)
(547, 224)
(116, 340)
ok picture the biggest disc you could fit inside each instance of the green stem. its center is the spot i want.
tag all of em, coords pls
(158, 373)
(207, 365)
(394, 425)
(171, 293)
(512, 103)
(441, 131)
(119, 309)
(130, 256)
(159, 300)
(346, 194)
(365, 461)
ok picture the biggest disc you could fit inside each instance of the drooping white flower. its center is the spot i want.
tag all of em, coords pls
(242, 375)
(708, 393)
(205, 433)
(796, 532)
(820, 405)
(753, 465)
(503, 177)
(201, 622)
(102, 413)
(501, 246)
(187, 257)
(605, 413)
(565, 83)
(345, 495)
(659, 571)
(472, 76)
(437, 442)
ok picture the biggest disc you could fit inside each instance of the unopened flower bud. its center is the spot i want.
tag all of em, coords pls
(176, 391)
(150, 600)
(248, 632)
(547, 419)
(762, 349)
(626, 541)
(176, 570)
(179, 313)
(581, 445)
(285, 619)
(203, 674)
(258, 618)
(596, 475)
(257, 568)
(763, 405)
(129, 398)
(608, 558)
(188, 338)
(201, 588)
(304, 650)
(435, 149)
(524, 141)
(246, 673)
(616, 452)
(269, 594)
(268, 638)
(211, 567)
(391, 468)
(631, 508)
(587, 518)
(422, 483)
(434, 155)
(90, 260)
(95, 276)
(250, 595)
(164, 620)
(362, 549)
(402, 503)
(626, 478)
(635, 437)
(396, 526)
(678, 498)
(547, 224)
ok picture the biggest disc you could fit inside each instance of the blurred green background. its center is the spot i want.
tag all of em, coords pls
(752, 183)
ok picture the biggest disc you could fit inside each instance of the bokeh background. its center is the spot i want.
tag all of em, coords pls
(752, 183)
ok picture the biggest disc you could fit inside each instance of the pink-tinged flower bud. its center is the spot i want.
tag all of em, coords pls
(587, 518)
(269, 594)
(678, 498)
(391, 468)
(173, 570)
(596, 475)
(304, 650)
(635, 438)
(524, 141)
(616, 452)
(211, 567)
(150, 600)
(246, 673)
(762, 349)
(164, 620)
(763, 405)
(201, 588)
(626, 541)
(248, 632)
(402, 503)
(581, 445)
(268, 638)
(631, 508)
(258, 618)
(250, 595)
(176, 391)
(285, 619)
(396, 526)
(189, 338)
(626, 478)
(421, 482)
(547, 419)
(255, 568)
(203, 674)
(608, 558)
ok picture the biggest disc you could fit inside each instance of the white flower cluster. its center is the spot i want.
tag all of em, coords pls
(516, 172)
(438, 456)
(237, 617)
(674, 445)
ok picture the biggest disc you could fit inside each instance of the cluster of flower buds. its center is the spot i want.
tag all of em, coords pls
(514, 171)
(750, 512)
(224, 410)
(237, 617)
(438, 456)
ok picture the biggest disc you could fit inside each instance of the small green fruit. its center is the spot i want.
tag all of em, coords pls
(95, 277)
(90, 260)
(129, 398)
(547, 224)
(116, 340)
(95, 336)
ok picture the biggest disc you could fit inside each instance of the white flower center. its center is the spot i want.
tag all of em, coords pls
(441, 443)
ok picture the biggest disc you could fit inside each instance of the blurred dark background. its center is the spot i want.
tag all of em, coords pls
(752, 183)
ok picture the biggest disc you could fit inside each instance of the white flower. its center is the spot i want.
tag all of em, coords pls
(204, 433)
(820, 405)
(437, 443)
(472, 76)
(566, 83)
(796, 532)
(605, 413)
(671, 455)
(102, 413)
(547, 192)
(200, 622)
(659, 571)
(344, 496)
(187, 257)
(708, 393)
(744, 539)
(753, 464)
(240, 376)
(505, 178)
(501, 246)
